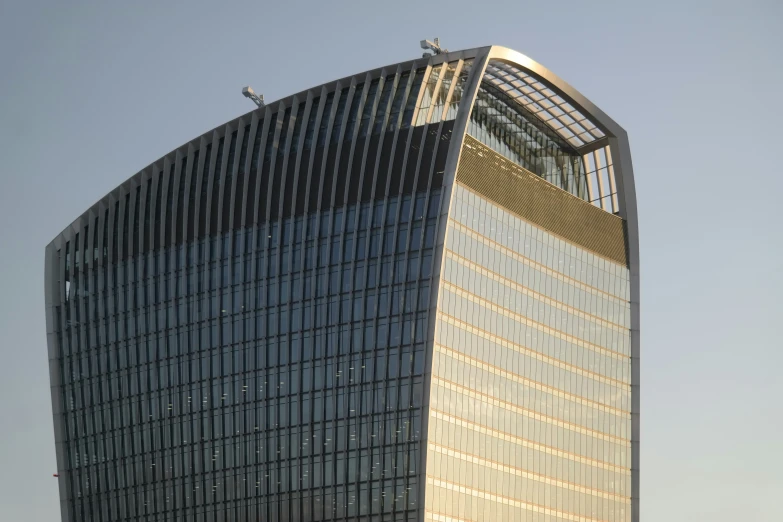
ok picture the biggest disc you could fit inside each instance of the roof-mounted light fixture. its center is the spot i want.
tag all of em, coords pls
(258, 99)
(433, 46)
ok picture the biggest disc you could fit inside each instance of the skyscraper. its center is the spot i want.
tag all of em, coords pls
(409, 294)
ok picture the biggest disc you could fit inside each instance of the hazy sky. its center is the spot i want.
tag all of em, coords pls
(90, 94)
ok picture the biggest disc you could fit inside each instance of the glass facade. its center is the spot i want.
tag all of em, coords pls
(530, 399)
(304, 315)
(284, 380)
(510, 130)
(265, 362)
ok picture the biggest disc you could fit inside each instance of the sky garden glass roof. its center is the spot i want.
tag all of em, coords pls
(542, 101)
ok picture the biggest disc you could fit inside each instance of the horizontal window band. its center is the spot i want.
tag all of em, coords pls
(450, 254)
(492, 497)
(478, 236)
(488, 399)
(526, 443)
(530, 382)
(440, 517)
(460, 292)
(550, 481)
(457, 323)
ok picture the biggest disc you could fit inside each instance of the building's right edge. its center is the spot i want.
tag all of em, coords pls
(626, 189)
(533, 379)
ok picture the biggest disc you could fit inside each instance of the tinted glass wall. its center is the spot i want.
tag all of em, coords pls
(530, 403)
(321, 311)
(239, 331)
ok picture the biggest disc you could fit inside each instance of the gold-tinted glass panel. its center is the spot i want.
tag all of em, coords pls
(532, 198)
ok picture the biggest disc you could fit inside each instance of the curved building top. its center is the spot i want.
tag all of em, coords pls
(379, 171)
(528, 114)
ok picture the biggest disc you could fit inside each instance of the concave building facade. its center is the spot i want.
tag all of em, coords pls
(410, 294)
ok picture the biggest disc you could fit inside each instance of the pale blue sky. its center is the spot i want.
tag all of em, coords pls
(91, 93)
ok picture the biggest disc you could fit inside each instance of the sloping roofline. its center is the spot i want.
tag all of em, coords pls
(615, 139)
(483, 55)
